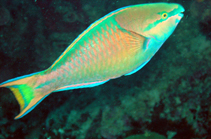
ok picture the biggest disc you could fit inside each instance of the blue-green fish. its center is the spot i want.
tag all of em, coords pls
(120, 43)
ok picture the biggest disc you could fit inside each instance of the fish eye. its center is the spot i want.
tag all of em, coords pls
(164, 15)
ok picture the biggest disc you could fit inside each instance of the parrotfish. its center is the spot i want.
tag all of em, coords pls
(120, 43)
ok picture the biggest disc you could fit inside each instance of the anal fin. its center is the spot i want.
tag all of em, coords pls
(77, 86)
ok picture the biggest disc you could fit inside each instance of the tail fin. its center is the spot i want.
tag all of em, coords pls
(23, 89)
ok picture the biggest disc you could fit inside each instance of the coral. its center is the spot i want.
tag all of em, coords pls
(206, 28)
(147, 135)
(4, 16)
(201, 10)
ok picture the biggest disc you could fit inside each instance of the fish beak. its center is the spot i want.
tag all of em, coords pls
(181, 13)
(181, 10)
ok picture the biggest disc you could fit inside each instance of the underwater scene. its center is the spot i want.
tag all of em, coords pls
(160, 52)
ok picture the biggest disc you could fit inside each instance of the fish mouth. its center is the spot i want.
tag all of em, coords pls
(181, 13)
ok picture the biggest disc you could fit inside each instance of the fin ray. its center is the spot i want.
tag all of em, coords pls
(135, 41)
(24, 92)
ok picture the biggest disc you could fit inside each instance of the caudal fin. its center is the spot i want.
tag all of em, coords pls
(23, 89)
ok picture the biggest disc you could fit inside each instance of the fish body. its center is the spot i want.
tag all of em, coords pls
(119, 43)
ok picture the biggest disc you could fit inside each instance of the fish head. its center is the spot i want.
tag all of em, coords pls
(153, 21)
(164, 20)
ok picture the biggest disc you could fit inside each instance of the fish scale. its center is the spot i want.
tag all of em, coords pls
(95, 63)
(120, 43)
(95, 54)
